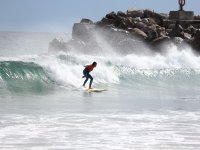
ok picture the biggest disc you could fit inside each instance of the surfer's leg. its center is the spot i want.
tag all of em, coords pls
(91, 79)
(86, 75)
(85, 81)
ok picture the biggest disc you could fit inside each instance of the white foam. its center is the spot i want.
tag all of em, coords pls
(66, 68)
(148, 131)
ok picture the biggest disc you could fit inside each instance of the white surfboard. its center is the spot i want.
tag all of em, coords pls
(96, 90)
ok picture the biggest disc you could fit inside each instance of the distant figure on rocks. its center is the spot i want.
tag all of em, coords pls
(86, 73)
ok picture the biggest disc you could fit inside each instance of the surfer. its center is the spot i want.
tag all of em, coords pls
(86, 73)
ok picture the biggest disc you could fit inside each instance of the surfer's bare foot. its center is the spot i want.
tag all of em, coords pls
(90, 88)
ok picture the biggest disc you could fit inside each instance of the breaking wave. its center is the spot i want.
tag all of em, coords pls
(45, 72)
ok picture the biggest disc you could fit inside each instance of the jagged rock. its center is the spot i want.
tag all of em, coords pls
(168, 31)
(152, 34)
(130, 22)
(138, 33)
(158, 42)
(125, 31)
(145, 20)
(135, 13)
(146, 28)
(177, 31)
(140, 25)
(87, 21)
(105, 22)
(121, 14)
(111, 15)
(126, 23)
(171, 26)
(158, 18)
(196, 41)
(161, 32)
(137, 19)
(118, 21)
(187, 36)
(161, 39)
(123, 25)
(191, 30)
(151, 21)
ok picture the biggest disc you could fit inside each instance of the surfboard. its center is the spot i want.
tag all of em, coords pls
(96, 90)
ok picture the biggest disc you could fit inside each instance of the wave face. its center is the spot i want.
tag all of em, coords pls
(18, 76)
(38, 73)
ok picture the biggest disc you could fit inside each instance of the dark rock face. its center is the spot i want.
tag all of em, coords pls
(196, 40)
(135, 13)
(87, 21)
(127, 32)
(138, 33)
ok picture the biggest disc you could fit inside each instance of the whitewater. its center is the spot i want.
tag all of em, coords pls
(152, 102)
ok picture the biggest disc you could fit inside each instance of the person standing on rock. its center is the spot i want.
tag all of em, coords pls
(86, 74)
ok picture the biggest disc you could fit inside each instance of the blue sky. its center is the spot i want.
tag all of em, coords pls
(59, 15)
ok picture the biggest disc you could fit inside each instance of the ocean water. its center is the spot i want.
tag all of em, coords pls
(152, 102)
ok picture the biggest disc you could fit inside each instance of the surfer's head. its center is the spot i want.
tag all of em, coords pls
(94, 64)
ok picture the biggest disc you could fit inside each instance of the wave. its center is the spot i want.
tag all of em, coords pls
(18, 76)
(46, 72)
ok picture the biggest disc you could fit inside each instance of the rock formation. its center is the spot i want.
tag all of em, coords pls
(129, 32)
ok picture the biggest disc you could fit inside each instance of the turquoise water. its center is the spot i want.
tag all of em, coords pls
(152, 101)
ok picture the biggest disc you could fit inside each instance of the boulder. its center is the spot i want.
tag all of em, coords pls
(130, 22)
(137, 19)
(138, 33)
(159, 43)
(123, 25)
(168, 31)
(140, 25)
(111, 15)
(187, 36)
(135, 13)
(121, 14)
(177, 31)
(161, 32)
(161, 39)
(195, 42)
(151, 21)
(157, 17)
(87, 21)
(125, 31)
(118, 21)
(191, 30)
(152, 34)
(105, 22)
(145, 20)
(171, 26)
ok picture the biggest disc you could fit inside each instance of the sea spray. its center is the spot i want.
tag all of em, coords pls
(176, 67)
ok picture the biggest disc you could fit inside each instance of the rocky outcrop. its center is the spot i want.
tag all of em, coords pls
(128, 31)
(196, 41)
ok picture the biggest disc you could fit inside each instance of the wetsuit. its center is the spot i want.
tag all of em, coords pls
(86, 73)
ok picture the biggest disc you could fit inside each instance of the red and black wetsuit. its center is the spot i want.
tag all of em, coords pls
(86, 73)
